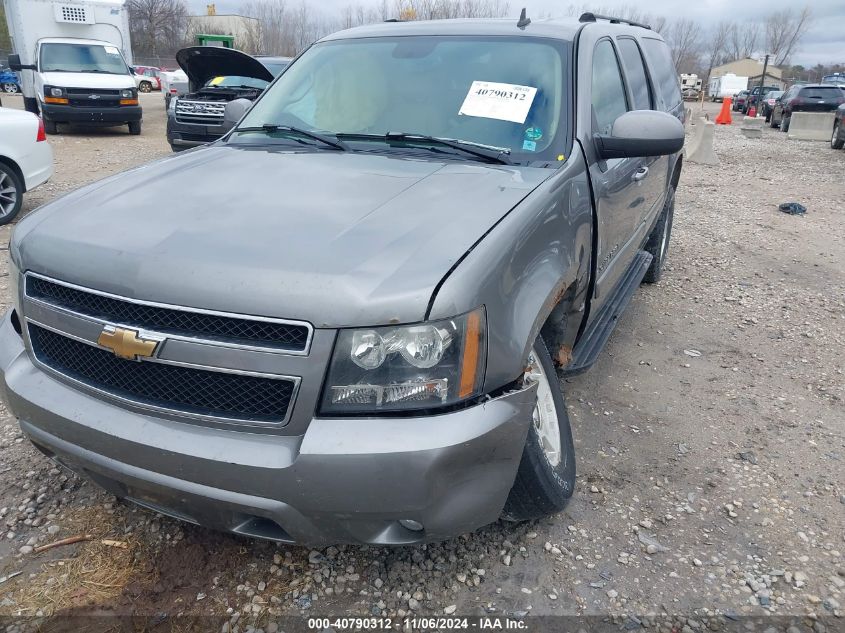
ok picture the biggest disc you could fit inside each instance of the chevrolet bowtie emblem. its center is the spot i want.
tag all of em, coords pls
(126, 343)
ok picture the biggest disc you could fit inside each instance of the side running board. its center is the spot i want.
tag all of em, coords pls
(595, 337)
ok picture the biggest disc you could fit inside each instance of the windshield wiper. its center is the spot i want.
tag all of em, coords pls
(272, 127)
(500, 155)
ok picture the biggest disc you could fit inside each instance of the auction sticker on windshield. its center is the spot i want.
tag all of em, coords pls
(491, 100)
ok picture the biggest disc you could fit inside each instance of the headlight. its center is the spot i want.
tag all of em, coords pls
(50, 91)
(172, 106)
(399, 368)
(127, 94)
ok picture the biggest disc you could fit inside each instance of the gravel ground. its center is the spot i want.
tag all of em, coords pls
(710, 438)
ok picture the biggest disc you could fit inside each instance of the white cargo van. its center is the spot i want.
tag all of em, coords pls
(74, 61)
(726, 86)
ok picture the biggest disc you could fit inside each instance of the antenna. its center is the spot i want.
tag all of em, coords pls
(523, 20)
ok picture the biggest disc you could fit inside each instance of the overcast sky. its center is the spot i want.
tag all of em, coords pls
(824, 42)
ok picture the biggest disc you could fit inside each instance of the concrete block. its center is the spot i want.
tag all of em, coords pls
(811, 126)
(700, 148)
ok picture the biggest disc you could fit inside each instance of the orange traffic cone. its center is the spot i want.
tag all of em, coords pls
(724, 117)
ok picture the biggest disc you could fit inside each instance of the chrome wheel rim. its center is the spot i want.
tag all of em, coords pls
(8, 194)
(544, 416)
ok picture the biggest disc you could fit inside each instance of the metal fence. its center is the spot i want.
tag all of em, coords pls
(168, 63)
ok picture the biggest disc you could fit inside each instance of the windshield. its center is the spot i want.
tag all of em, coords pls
(234, 81)
(498, 91)
(81, 58)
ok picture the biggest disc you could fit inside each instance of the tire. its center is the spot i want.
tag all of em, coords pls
(50, 127)
(658, 241)
(134, 128)
(772, 122)
(836, 140)
(784, 124)
(10, 88)
(543, 486)
(11, 194)
(145, 86)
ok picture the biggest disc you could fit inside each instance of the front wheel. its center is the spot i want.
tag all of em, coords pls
(836, 140)
(11, 194)
(784, 124)
(545, 480)
(134, 128)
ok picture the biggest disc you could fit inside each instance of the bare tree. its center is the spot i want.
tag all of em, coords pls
(784, 30)
(157, 27)
(684, 39)
(445, 9)
(742, 40)
(717, 46)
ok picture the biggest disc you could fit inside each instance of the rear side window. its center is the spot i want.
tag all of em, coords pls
(821, 93)
(632, 60)
(660, 61)
(609, 100)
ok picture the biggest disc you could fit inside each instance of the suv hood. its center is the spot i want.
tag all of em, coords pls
(338, 239)
(202, 63)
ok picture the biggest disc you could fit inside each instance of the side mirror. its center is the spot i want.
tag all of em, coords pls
(15, 63)
(642, 133)
(234, 112)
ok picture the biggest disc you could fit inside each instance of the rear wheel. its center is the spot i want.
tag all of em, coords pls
(11, 194)
(784, 124)
(545, 480)
(836, 140)
(145, 86)
(658, 241)
(10, 88)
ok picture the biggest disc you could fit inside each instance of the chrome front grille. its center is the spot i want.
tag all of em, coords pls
(200, 112)
(218, 367)
(286, 336)
(163, 386)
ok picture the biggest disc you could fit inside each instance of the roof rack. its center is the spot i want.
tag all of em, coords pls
(594, 17)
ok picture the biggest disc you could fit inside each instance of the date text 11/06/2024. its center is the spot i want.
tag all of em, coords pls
(417, 624)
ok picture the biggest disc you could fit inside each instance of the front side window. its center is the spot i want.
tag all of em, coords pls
(81, 58)
(502, 92)
(632, 59)
(609, 101)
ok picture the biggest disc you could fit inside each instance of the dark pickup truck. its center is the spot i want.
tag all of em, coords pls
(352, 326)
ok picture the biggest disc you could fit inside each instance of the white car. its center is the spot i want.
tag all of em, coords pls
(26, 159)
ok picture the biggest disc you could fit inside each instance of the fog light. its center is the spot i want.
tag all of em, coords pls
(414, 526)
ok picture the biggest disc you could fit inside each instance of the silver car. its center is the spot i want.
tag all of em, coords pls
(351, 327)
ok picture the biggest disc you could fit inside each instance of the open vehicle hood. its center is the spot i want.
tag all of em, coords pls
(335, 238)
(202, 63)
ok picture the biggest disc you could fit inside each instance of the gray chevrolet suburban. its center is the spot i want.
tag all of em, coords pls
(352, 328)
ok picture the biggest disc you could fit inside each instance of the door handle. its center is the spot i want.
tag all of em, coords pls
(641, 173)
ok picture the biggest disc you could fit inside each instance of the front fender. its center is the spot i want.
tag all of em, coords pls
(537, 255)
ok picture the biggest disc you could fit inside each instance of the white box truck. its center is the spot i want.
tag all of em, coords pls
(726, 86)
(74, 61)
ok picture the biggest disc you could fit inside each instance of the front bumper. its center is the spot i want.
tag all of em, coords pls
(91, 116)
(344, 480)
(184, 135)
